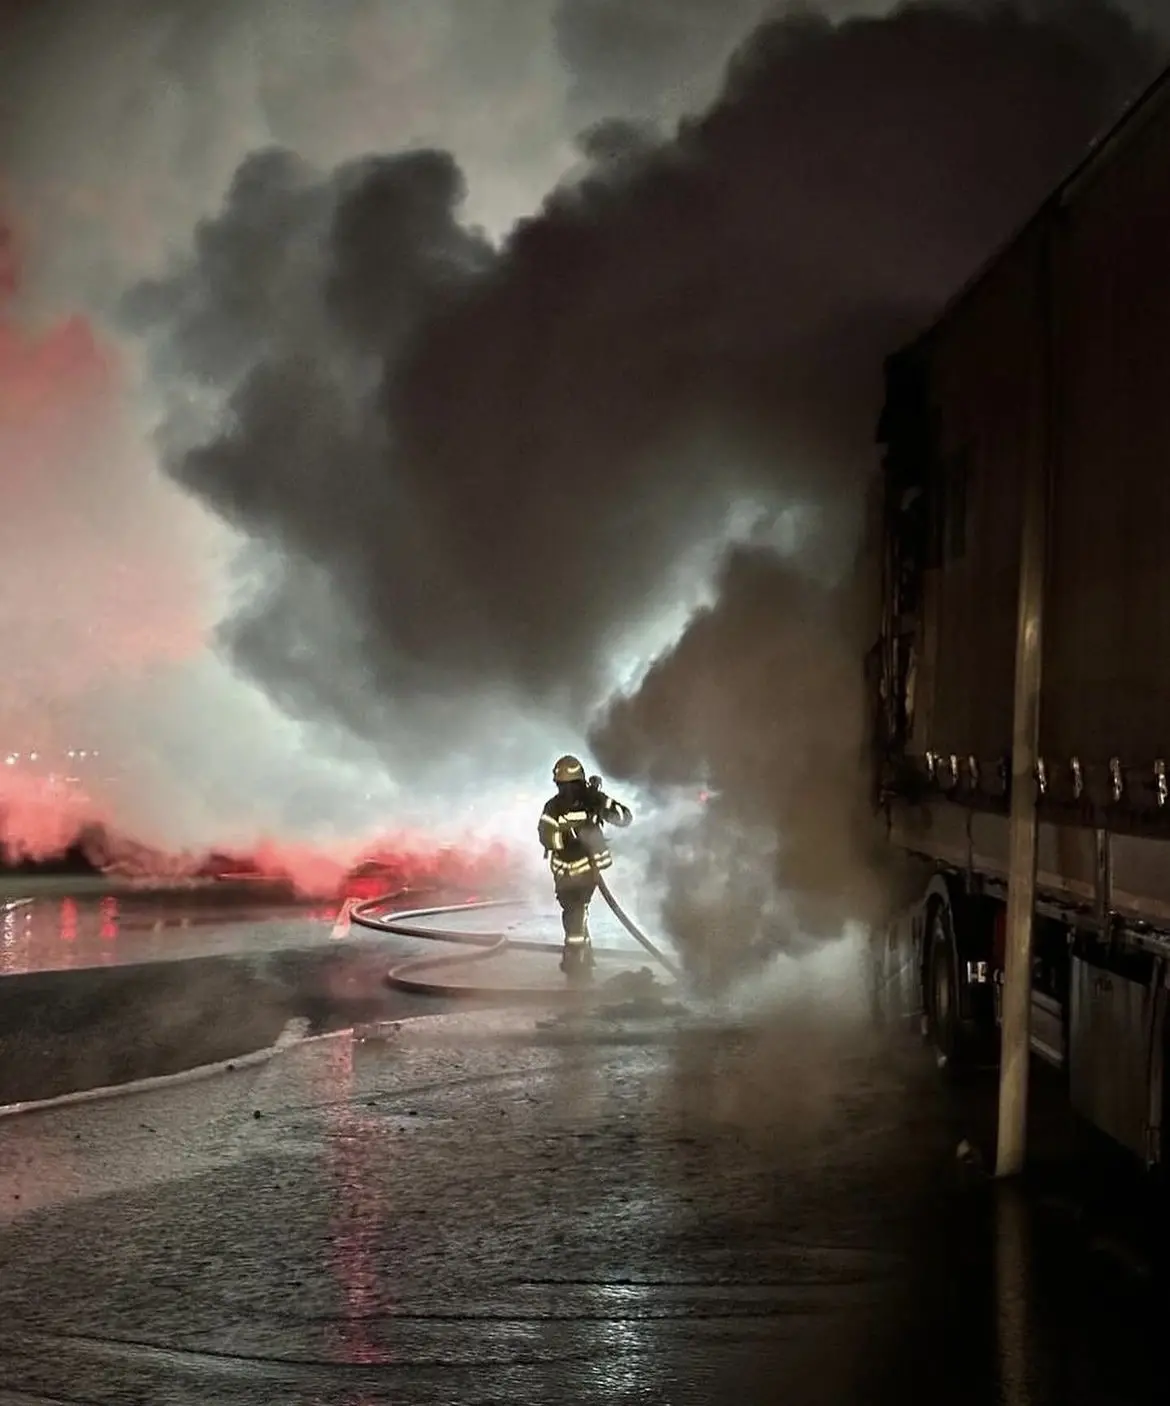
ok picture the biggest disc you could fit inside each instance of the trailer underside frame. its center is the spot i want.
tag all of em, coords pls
(1101, 976)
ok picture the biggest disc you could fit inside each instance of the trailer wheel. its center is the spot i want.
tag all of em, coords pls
(942, 995)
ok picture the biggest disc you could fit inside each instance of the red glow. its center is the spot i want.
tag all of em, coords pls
(96, 583)
(68, 927)
(48, 374)
(356, 1152)
(403, 861)
(109, 920)
(33, 369)
(43, 818)
(96, 592)
(40, 817)
(365, 887)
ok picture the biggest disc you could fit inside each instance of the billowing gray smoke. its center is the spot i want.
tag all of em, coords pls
(635, 58)
(467, 467)
(762, 699)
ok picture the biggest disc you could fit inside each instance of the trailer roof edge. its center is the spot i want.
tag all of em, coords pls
(1137, 112)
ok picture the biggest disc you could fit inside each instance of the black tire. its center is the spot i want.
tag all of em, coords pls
(941, 996)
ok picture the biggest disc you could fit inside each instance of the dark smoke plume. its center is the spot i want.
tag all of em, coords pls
(470, 467)
(762, 699)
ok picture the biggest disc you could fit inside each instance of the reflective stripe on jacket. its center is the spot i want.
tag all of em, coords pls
(571, 835)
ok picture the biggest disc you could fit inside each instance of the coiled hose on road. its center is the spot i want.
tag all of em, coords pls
(407, 975)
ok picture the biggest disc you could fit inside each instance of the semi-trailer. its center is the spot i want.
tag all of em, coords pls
(1047, 375)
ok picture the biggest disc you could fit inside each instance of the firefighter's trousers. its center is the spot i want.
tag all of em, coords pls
(574, 893)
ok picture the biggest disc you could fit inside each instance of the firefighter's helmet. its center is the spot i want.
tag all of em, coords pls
(568, 769)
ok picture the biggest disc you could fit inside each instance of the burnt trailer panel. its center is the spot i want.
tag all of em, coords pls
(986, 392)
(1057, 357)
(1052, 366)
(1107, 643)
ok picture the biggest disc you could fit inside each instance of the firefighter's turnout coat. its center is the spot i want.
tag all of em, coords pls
(570, 831)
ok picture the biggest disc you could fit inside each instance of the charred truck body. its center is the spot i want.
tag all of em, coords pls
(1054, 361)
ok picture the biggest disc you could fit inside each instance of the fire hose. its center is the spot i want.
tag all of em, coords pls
(631, 927)
(407, 975)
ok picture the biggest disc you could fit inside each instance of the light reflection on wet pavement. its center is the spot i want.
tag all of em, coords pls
(65, 932)
(478, 1210)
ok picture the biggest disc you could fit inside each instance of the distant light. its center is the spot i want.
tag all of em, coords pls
(83, 754)
(10, 761)
(32, 756)
(70, 752)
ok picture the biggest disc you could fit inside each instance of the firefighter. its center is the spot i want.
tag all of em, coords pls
(570, 830)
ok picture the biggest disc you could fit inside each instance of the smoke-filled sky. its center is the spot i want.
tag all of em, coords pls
(121, 127)
(382, 384)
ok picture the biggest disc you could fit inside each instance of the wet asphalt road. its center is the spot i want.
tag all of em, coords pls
(104, 990)
(72, 932)
(477, 1209)
(65, 932)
